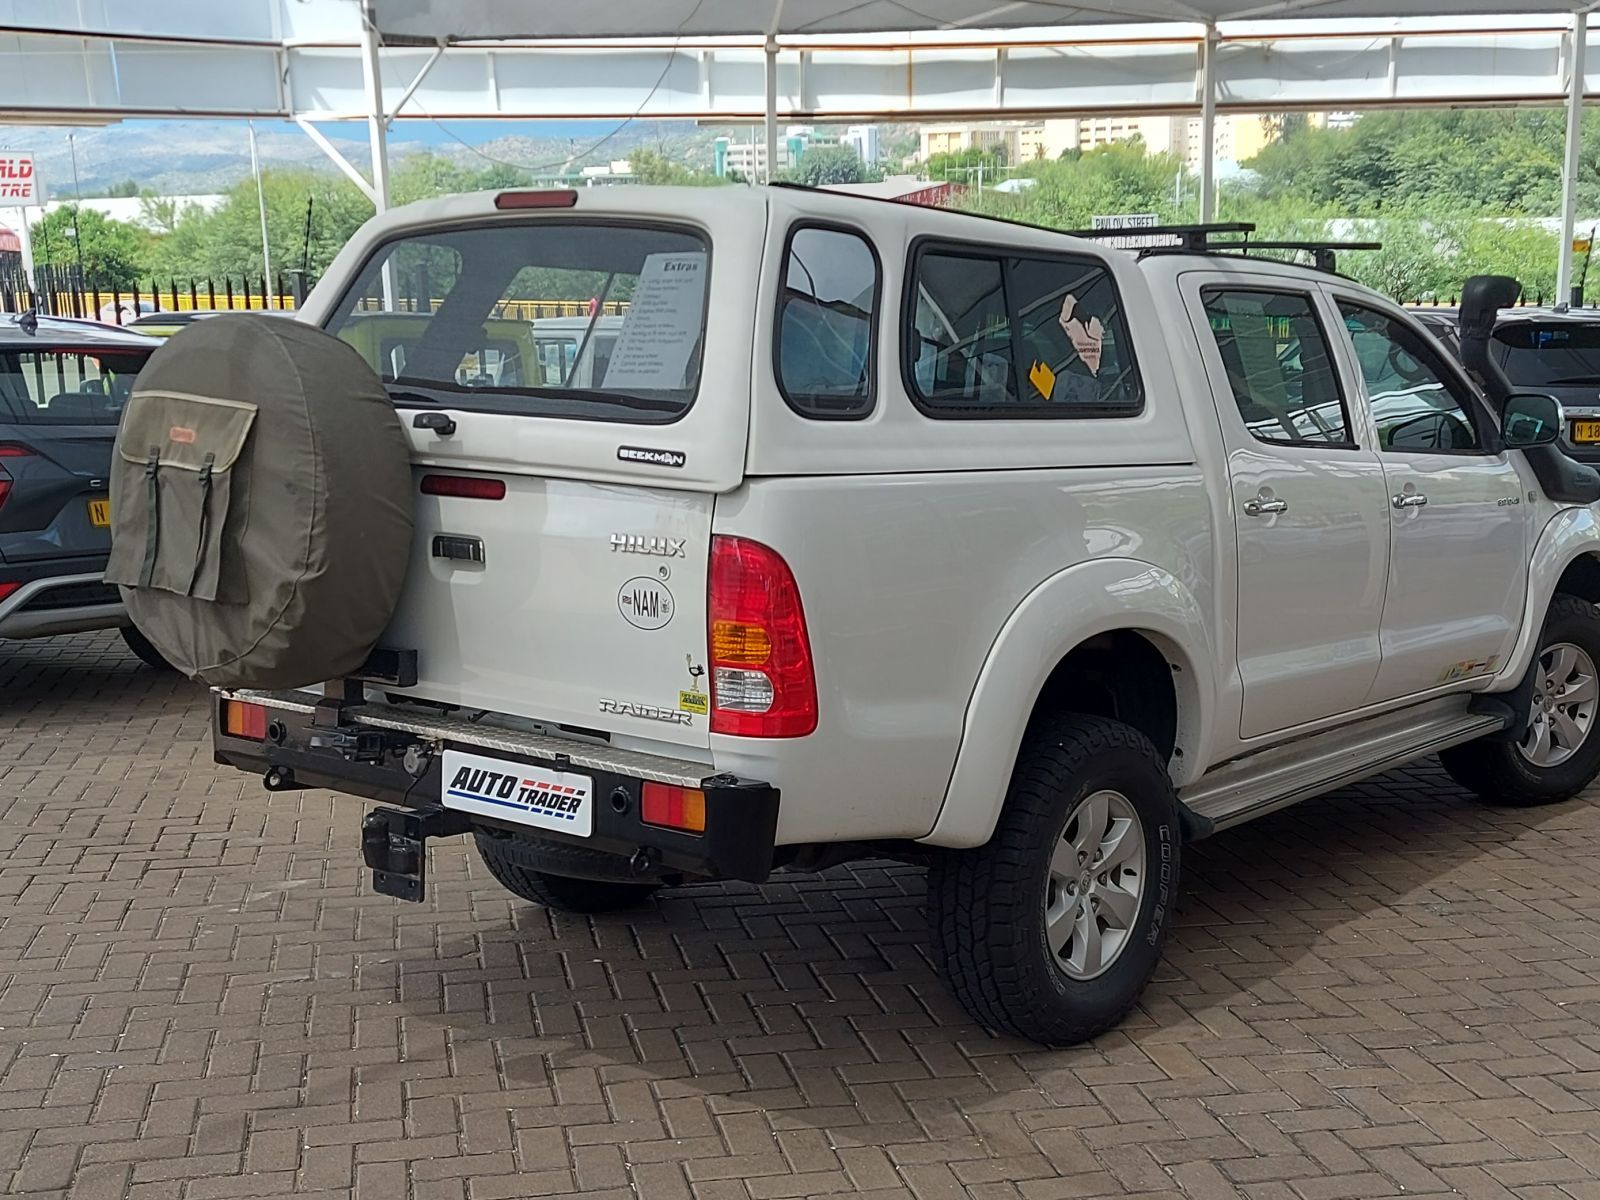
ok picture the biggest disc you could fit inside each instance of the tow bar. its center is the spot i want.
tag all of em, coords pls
(394, 843)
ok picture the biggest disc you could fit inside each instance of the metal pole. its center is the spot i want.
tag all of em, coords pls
(1208, 127)
(377, 128)
(772, 108)
(1578, 45)
(261, 204)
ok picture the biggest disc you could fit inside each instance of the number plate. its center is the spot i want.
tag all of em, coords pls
(513, 791)
(100, 512)
(1586, 431)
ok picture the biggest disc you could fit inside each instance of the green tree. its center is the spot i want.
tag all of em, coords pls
(1068, 193)
(963, 166)
(651, 167)
(226, 242)
(822, 165)
(112, 252)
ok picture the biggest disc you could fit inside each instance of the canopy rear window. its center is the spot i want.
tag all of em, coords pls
(598, 320)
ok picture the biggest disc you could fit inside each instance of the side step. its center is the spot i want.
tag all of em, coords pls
(1271, 779)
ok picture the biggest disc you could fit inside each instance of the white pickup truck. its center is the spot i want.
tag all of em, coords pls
(890, 531)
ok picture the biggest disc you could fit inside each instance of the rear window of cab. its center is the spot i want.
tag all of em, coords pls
(557, 317)
(67, 386)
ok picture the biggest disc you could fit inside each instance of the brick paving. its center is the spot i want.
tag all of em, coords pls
(1390, 992)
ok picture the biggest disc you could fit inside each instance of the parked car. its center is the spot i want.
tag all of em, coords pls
(900, 531)
(1550, 350)
(63, 385)
(165, 324)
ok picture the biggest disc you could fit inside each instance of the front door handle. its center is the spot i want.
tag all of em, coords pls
(1409, 500)
(1258, 506)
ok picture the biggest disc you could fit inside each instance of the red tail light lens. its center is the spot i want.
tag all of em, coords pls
(244, 720)
(472, 487)
(7, 588)
(549, 198)
(763, 683)
(11, 450)
(673, 807)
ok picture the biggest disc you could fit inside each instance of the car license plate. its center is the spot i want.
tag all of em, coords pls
(100, 512)
(1586, 431)
(513, 791)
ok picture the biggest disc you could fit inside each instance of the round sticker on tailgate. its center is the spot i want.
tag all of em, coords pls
(646, 603)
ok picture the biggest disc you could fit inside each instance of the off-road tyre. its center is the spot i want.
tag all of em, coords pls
(1498, 772)
(565, 893)
(986, 907)
(143, 650)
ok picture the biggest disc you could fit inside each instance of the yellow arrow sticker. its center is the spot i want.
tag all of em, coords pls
(1043, 378)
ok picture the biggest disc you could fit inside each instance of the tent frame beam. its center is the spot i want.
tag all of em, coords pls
(1577, 58)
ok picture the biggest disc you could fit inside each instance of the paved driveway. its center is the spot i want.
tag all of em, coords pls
(1391, 992)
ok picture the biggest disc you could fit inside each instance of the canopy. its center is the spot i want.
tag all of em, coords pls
(502, 20)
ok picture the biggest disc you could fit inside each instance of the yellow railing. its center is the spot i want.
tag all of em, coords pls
(90, 303)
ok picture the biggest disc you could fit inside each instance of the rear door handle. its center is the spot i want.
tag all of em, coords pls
(1409, 500)
(1256, 506)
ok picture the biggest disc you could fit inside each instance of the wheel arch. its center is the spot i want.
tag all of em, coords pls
(1566, 557)
(1051, 656)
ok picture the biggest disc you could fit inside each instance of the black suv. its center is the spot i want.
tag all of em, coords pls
(1551, 350)
(63, 385)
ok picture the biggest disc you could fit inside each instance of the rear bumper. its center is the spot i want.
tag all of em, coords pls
(394, 754)
(59, 596)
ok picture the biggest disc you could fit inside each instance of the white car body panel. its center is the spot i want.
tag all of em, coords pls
(947, 566)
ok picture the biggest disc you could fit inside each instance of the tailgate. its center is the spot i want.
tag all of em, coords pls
(576, 603)
(575, 384)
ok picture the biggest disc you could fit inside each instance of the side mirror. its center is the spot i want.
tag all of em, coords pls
(1530, 419)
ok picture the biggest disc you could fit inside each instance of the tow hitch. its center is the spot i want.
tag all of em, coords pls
(394, 843)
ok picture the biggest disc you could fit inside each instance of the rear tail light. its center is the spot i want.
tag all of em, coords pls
(673, 807)
(10, 450)
(7, 588)
(472, 487)
(762, 680)
(244, 720)
(548, 198)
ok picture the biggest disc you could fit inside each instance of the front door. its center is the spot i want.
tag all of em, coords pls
(1459, 512)
(1310, 506)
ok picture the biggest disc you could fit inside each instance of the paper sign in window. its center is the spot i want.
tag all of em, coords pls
(662, 325)
(1087, 336)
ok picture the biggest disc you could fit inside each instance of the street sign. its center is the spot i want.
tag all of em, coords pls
(1125, 221)
(1132, 221)
(1581, 245)
(19, 183)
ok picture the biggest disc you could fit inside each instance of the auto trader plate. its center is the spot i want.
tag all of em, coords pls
(513, 791)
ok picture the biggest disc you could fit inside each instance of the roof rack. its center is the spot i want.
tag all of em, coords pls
(1188, 239)
(1192, 239)
(1197, 239)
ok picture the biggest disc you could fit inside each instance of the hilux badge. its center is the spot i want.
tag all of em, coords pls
(661, 547)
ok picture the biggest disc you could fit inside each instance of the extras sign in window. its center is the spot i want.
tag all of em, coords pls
(1004, 336)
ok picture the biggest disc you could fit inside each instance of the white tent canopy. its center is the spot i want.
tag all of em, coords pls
(314, 61)
(477, 20)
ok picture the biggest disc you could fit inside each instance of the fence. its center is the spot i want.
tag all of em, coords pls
(60, 292)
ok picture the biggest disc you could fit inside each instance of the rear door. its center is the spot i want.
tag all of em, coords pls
(559, 570)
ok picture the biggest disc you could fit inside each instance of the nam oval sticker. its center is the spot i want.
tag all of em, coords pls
(646, 603)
